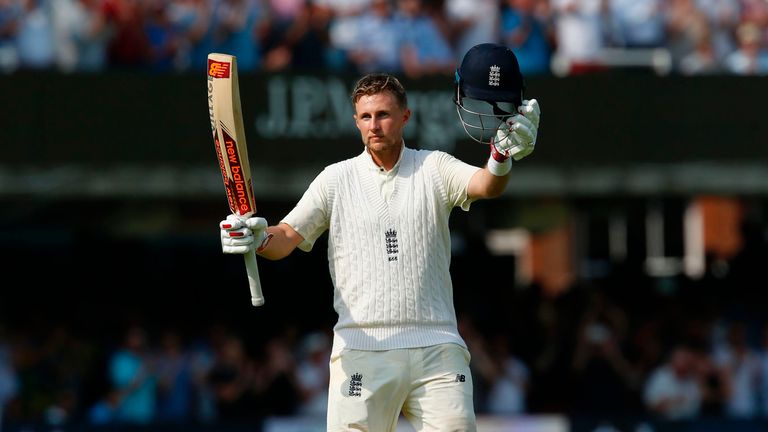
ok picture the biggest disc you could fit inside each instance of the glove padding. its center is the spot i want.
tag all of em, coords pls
(516, 137)
(240, 235)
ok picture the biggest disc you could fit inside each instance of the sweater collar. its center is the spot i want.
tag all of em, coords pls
(371, 165)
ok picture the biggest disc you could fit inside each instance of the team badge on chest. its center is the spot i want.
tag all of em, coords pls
(391, 241)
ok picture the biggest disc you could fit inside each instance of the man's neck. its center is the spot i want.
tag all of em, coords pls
(386, 159)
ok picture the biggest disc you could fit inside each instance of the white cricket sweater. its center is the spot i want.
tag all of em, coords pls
(389, 260)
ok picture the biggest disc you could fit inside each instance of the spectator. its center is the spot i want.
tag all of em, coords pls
(723, 17)
(174, 380)
(68, 360)
(202, 355)
(604, 378)
(377, 43)
(756, 12)
(276, 380)
(305, 44)
(686, 25)
(525, 29)
(511, 378)
(162, 40)
(232, 378)
(702, 60)
(751, 57)
(552, 355)
(35, 36)
(82, 35)
(191, 20)
(132, 374)
(673, 391)
(580, 34)
(282, 15)
(129, 47)
(740, 365)
(234, 31)
(424, 50)
(472, 22)
(638, 23)
(342, 30)
(312, 373)
(11, 12)
(714, 386)
(436, 9)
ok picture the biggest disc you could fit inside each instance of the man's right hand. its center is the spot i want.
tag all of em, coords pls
(240, 235)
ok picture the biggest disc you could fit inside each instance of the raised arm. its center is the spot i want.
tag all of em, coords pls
(485, 184)
(515, 139)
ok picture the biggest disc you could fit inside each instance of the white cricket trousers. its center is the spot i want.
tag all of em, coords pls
(431, 386)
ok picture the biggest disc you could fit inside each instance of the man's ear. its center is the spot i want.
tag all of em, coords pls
(406, 115)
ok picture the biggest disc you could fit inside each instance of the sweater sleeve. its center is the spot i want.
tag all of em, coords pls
(456, 175)
(311, 215)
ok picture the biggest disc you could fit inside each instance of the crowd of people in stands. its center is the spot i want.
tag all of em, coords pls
(411, 37)
(669, 350)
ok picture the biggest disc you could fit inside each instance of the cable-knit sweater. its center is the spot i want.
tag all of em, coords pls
(389, 259)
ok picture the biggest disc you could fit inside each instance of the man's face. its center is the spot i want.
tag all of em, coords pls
(381, 121)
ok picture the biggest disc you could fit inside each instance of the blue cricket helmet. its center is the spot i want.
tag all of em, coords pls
(489, 76)
(490, 72)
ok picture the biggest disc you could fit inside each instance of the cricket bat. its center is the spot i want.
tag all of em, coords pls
(228, 130)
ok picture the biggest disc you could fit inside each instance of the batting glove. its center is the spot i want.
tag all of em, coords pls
(516, 137)
(240, 235)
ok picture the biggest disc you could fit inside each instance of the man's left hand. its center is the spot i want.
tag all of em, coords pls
(516, 137)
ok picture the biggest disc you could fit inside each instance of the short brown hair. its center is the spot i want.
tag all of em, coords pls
(376, 83)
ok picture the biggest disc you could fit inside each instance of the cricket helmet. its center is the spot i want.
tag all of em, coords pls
(489, 88)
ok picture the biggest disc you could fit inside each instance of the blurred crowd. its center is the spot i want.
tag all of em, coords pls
(411, 37)
(160, 376)
(597, 350)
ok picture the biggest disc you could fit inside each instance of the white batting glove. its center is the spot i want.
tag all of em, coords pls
(240, 236)
(516, 137)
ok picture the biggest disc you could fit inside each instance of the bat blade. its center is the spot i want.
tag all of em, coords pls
(228, 129)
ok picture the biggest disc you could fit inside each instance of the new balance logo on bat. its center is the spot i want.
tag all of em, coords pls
(218, 69)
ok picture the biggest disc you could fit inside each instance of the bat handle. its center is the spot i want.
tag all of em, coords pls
(257, 298)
